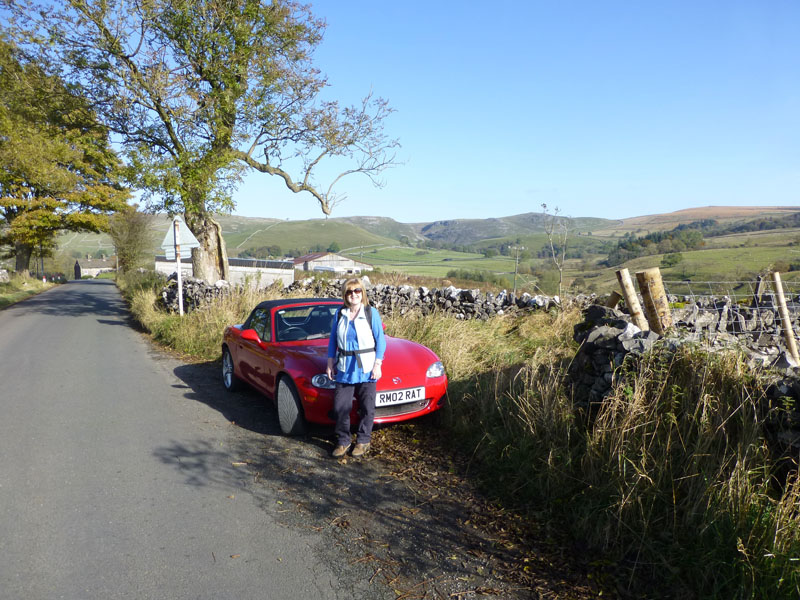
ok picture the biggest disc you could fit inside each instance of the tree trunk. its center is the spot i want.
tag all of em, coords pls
(210, 260)
(22, 252)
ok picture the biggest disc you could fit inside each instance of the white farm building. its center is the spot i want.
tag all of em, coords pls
(254, 272)
(328, 261)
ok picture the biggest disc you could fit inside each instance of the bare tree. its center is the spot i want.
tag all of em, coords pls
(556, 228)
(201, 91)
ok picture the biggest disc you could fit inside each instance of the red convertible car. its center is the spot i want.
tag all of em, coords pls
(281, 350)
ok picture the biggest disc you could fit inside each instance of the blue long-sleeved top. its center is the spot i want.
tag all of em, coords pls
(352, 372)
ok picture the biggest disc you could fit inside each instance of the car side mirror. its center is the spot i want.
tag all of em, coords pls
(250, 335)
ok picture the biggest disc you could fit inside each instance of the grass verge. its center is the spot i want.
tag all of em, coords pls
(19, 288)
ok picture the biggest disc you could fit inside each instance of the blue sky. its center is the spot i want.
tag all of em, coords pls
(602, 109)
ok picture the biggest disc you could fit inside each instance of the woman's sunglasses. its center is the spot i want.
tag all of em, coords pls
(354, 291)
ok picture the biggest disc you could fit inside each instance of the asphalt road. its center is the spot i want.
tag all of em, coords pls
(116, 482)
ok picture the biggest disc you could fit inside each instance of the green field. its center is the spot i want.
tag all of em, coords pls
(775, 237)
(431, 263)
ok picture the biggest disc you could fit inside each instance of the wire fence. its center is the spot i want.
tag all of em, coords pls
(739, 292)
(739, 308)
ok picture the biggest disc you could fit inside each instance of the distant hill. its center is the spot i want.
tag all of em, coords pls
(384, 227)
(241, 234)
(660, 222)
(471, 231)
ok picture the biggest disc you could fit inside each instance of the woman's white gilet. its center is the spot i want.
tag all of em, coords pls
(366, 341)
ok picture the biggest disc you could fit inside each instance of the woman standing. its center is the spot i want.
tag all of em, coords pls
(355, 354)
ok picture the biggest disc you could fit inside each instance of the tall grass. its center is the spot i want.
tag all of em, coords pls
(682, 480)
(671, 480)
(197, 334)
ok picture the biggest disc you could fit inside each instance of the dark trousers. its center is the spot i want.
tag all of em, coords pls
(343, 404)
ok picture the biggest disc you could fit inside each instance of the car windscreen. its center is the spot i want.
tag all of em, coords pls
(295, 323)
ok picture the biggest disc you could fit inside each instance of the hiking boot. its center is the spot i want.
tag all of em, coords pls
(339, 451)
(360, 449)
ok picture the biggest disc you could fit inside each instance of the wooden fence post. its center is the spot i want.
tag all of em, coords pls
(628, 291)
(613, 299)
(759, 291)
(786, 322)
(656, 305)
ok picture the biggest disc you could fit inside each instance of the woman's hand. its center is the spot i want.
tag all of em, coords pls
(329, 369)
(376, 370)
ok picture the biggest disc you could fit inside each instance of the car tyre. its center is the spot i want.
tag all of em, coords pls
(290, 411)
(229, 379)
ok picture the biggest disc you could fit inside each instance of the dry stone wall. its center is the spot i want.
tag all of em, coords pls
(607, 336)
(461, 303)
(196, 292)
(388, 299)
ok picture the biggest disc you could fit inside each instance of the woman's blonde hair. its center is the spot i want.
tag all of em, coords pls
(351, 284)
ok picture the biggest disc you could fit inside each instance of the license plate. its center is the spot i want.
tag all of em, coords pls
(400, 396)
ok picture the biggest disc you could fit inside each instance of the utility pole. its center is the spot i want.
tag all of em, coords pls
(516, 266)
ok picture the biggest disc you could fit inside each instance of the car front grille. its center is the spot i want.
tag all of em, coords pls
(401, 409)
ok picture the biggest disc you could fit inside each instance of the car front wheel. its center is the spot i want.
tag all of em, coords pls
(229, 379)
(290, 411)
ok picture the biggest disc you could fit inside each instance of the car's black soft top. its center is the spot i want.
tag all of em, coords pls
(270, 304)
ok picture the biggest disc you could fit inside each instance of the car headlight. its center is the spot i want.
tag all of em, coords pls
(436, 369)
(322, 381)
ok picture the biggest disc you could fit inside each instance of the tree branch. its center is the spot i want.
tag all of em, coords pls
(290, 183)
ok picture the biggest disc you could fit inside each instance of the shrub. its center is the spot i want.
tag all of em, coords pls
(671, 259)
(476, 275)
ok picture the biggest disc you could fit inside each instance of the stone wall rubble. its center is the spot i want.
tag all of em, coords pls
(608, 338)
